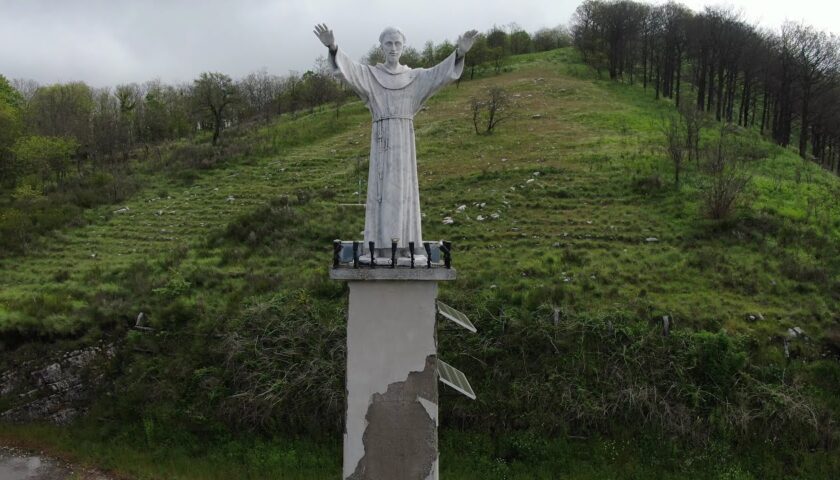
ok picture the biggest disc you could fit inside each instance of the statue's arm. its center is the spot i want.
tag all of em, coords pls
(451, 67)
(448, 70)
(465, 43)
(343, 66)
(325, 35)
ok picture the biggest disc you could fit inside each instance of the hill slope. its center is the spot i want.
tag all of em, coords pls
(571, 245)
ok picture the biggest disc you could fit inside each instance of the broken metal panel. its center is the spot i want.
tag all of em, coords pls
(455, 316)
(455, 378)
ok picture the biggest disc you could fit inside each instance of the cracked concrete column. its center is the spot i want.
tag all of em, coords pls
(392, 389)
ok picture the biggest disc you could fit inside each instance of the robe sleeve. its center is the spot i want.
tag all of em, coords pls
(353, 73)
(437, 77)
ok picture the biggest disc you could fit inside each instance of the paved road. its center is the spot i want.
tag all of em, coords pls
(19, 465)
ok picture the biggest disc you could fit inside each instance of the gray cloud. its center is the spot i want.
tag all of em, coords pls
(109, 42)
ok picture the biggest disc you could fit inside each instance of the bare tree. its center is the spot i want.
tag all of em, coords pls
(26, 87)
(673, 128)
(814, 53)
(259, 92)
(490, 110)
(215, 92)
(693, 120)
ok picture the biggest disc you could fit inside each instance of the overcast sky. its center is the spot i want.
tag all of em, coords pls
(107, 42)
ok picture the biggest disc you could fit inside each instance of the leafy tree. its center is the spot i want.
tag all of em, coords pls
(520, 41)
(10, 128)
(9, 95)
(497, 38)
(478, 55)
(62, 110)
(443, 50)
(129, 99)
(46, 156)
(428, 53)
(550, 38)
(290, 98)
(215, 92)
(374, 55)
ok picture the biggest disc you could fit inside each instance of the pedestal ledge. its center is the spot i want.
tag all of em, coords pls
(386, 273)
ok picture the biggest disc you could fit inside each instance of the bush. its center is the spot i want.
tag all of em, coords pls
(726, 179)
(649, 185)
(295, 375)
(200, 156)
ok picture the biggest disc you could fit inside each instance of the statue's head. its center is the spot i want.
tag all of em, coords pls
(392, 42)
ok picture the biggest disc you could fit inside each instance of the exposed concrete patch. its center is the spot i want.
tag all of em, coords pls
(390, 333)
(400, 441)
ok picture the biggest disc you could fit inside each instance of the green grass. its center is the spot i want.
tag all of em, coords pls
(464, 456)
(592, 139)
(574, 212)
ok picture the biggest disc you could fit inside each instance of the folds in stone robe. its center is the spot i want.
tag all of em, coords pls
(392, 209)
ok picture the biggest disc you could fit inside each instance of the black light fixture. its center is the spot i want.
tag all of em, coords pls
(336, 252)
(355, 254)
(446, 248)
(372, 255)
(394, 252)
(411, 252)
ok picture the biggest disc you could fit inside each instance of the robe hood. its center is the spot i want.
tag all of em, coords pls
(393, 80)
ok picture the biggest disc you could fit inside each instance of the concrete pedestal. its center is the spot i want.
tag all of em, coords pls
(392, 389)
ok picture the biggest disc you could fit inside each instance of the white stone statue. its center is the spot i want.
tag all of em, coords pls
(394, 93)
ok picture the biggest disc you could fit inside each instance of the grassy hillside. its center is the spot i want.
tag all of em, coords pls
(568, 208)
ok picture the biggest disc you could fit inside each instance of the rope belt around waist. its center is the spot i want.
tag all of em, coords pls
(403, 117)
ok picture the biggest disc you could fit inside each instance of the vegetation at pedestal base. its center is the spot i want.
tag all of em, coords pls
(154, 452)
(570, 250)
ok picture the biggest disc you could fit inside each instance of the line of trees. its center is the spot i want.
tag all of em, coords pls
(785, 83)
(49, 132)
(490, 49)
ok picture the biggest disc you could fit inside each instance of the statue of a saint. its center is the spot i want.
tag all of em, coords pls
(394, 93)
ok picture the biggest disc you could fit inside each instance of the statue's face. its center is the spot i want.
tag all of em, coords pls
(392, 47)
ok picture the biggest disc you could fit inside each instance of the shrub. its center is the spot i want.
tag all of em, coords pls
(726, 179)
(649, 185)
(201, 156)
(286, 363)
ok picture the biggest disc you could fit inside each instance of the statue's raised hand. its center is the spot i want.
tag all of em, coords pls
(465, 42)
(325, 35)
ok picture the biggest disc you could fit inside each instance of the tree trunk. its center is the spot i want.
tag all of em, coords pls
(645, 64)
(764, 110)
(805, 121)
(701, 84)
(711, 95)
(679, 77)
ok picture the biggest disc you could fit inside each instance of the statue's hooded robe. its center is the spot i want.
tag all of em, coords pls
(393, 98)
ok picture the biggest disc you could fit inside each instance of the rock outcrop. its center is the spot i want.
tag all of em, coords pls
(54, 390)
